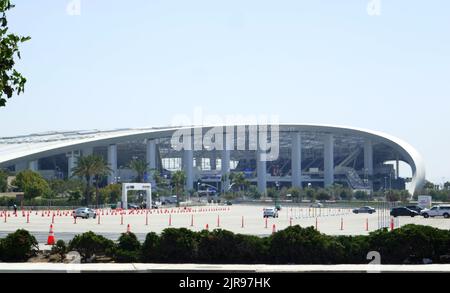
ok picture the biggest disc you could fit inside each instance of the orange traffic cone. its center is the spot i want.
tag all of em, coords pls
(128, 228)
(51, 237)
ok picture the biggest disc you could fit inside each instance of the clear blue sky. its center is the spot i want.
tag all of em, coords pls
(138, 63)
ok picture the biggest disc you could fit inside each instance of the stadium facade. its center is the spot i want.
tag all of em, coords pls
(306, 155)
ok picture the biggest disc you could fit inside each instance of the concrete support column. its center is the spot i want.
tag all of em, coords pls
(397, 168)
(261, 172)
(112, 162)
(328, 160)
(72, 160)
(151, 157)
(368, 157)
(225, 165)
(296, 160)
(151, 153)
(212, 160)
(188, 161)
(33, 165)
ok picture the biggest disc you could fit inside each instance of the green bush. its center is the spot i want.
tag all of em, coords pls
(60, 248)
(150, 248)
(18, 246)
(90, 244)
(251, 249)
(297, 245)
(178, 245)
(355, 249)
(128, 248)
(218, 246)
(410, 244)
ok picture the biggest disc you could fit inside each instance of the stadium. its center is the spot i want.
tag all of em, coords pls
(306, 155)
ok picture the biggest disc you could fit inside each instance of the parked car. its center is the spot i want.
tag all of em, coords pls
(228, 203)
(415, 208)
(316, 205)
(364, 210)
(84, 213)
(278, 207)
(270, 212)
(437, 211)
(403, 211)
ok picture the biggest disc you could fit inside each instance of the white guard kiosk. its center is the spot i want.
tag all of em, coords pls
(136, 186)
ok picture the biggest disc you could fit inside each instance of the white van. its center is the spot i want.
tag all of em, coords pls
(437, 211)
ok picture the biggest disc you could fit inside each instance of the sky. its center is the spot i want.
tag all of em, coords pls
(98, 64)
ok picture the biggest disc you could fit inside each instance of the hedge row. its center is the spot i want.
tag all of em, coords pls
(294, 245)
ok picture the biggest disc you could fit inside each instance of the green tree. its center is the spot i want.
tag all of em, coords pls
(162, 184)
(323, 194)
(447, 185)
(140, 167)
(178, 181)
(295, 193)
(91, 167)
(32, 184)
(345, 194)
(10, 79)
(429, 185)
(3, 181)
(238, 179)
(252, 191)
(361, 195)
(310, 193)
(111, 193)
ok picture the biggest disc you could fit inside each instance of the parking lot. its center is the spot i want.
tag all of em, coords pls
(246, 219)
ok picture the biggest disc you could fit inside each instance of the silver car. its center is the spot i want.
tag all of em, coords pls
(270, 213)
(85, 213)
(364, 210)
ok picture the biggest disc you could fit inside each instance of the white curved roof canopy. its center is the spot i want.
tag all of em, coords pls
(32, 147)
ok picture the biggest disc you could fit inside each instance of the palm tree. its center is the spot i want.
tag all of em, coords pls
(140, 167)
(101, 169)
(239, 180)
(91, 167)
(178, 181)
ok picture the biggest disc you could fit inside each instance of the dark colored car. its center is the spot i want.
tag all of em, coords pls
(415, 208)
(403, 211)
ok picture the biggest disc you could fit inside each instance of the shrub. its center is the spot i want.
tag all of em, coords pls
(304, 246)
(60, 248)
(90, 244)
(128, 248)
(251, 249)
(18, 246)
(355, 249)
(178, 245)
(150, 248)
(410, 244)
(218, 246)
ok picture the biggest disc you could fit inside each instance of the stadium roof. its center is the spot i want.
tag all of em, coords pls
(34, 146)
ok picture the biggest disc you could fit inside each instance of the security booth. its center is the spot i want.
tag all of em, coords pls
(147, 187)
